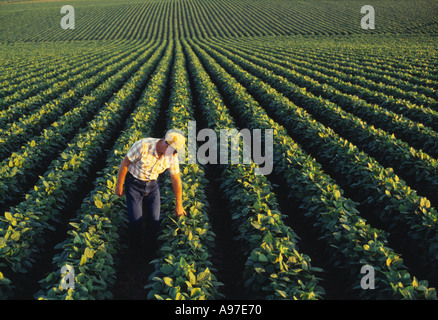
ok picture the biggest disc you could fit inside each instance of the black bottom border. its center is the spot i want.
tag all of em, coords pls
(219, 309)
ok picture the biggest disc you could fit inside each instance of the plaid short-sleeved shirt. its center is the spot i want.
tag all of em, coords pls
(145, 163)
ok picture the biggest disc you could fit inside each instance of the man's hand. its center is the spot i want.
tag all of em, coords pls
(179, 211)
(119, 190)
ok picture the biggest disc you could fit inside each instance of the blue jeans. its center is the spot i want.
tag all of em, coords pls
(143, 204)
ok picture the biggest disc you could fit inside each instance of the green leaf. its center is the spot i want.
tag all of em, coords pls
(83, 260)
(282, 293)
(183, 263)
(256, 225)
(8, 216)
(263, 258)
(168, 281)
(415, 283)
(424, 202)
(388, 261)
(89, 253)
(204, 275)
(15, 236)
(195, 292)
(49, 277)
(192, 277)
(98, 204)
(166, 269)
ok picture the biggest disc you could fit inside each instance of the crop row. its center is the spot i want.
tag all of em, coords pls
(27, 106)
(19, 85)
(380, 67)
(412, 70)
(22, 130)
(367, 82)
(92, 18)
(252, 88)
(201, 19)
(12, 69)
(418, 167)
(413, 103)
(416, 134)
(382, 55)
(387, 77)
(26, 85)
(22, 228)
(352, 243)
(274, 268)
(184, 270)
(22, 167)
(94, 243)
(377, 185)
(370, 88)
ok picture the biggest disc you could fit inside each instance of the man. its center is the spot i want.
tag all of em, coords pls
(138, 173)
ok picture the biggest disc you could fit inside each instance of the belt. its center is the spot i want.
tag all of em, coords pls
(130, 174)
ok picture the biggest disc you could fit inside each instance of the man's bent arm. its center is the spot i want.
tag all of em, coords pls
(177, 189)
(123, 170)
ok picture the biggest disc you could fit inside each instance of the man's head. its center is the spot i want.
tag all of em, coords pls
(175, 140)
(170, 143)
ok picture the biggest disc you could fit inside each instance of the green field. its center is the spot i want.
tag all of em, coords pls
(354, 114)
